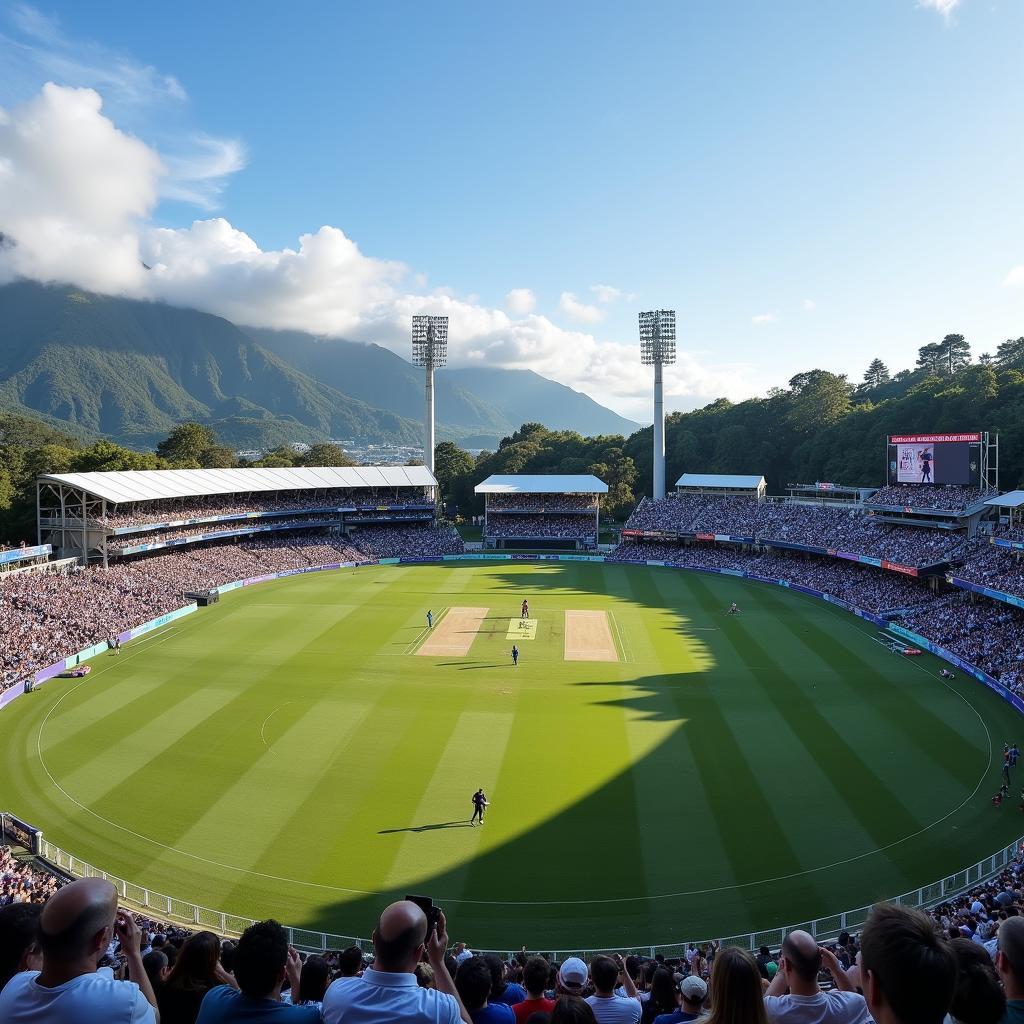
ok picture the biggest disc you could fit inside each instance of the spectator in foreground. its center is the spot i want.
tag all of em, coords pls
(663, 998)
(978, 997)
(571, 979)
(503, 990)
(795, 997)
(693, 991)
(262, 961)
(475, 981)
(350, 962)
(535, 981)
(19, 950)
(313, 982)
(196, 970)
(908, 971)
(1010, 967)
(76, 926)
(388, 991)
(572, 1010)
(608, 1007)
(736, 996)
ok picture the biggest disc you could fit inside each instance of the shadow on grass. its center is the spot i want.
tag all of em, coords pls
(463, 823)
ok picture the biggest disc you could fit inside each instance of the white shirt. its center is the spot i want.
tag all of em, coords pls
(96, 998)
(380, 997)
(463, 956)
(615, 1009)
(833, 1007)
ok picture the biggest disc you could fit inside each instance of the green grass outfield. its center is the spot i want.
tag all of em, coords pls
(285, 753)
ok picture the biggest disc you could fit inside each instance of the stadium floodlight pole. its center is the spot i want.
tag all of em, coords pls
(658, 349)
(429, 350)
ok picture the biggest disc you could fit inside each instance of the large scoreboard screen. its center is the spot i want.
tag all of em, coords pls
(935, 459)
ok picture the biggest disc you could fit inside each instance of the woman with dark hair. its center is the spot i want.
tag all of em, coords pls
(196, 970)
(19, 950)
(662, 997)
(313, 983)
(735, 990)
(978, 997)
(572, 1010)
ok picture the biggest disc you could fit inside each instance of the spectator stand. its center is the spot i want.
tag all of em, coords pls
(544, 511)
(24, 558)
(94, 516)
(997, 571)
(822, 493)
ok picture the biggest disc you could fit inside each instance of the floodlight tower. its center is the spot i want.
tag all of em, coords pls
(658, 349)
(429, 350)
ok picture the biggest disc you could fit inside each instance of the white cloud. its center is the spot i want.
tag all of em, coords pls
(605, 293)
(520, 301)
(77, 197)
(944, 7)
(571, 306)
(809, 305)
(1015, 278)
(760, 319)
(199, 175)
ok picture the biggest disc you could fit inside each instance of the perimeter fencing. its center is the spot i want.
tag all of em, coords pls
(168, 908)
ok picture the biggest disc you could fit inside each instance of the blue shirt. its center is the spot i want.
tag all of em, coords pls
(382, 997)
(226, 1005)
(513, 994)
(493, 1013)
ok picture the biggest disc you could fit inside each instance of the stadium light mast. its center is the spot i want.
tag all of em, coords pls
(429, 350)
(658, 349)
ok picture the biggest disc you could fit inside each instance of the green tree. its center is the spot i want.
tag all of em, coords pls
(186, 444)
(956, 353)
(281, 457)
(876, 374)
(818, 399)
(1010, 354)
(450, 463)
(929, 358)
(326, 453)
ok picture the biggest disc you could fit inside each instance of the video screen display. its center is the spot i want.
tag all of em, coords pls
(931, 459)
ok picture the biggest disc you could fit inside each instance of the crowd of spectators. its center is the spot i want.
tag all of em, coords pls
(863, 586)
(568, 527)
(995, 567)
(945, 498)
(831, 527)
(542, 502)
(420, 541)
(218, 506)
(119, 543)
(79, 957)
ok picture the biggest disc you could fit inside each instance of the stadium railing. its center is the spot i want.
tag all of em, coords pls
(168, 908)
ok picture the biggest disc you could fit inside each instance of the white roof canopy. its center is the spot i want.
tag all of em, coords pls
(523, 483)
(154, 484)
(734, 481)
(1012, 499)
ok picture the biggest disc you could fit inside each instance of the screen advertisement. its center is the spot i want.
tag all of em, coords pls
(932, 459)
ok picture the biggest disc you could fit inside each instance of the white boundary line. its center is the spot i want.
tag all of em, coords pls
(627, 653)
(268, 718)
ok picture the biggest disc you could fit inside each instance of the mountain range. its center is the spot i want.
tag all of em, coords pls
(131, 370)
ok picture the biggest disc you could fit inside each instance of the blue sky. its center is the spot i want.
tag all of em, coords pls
(806, 183)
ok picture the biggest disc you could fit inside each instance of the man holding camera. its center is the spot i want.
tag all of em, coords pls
(388, 990)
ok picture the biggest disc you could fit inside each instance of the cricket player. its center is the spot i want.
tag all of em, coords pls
(515, 656)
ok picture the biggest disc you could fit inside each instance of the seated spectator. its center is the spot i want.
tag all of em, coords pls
(313, 982)
(157, 967)
(908, 971)
(196, 970)
(572, 1010)
(388, 991)
(262, 961)
(462, 952)
(736, 996)
(795, 997)
(535, 980)
(425, 976)
(692, 991)
(608, 1007)
(19, 950)
(978, 997)
(1010, 967)
(474, 982)
(663, 996)
(75, 928)
(350, 962)
(503, 990)
(572, 978)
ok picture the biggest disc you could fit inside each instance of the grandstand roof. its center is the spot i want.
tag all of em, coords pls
(153, 484)
(735, 481)
(1012, 499)
(548, 483)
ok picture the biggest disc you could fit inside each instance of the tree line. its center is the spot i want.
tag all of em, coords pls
(821, 427)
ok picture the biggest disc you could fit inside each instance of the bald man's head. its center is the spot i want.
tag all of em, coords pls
(74, 917)
(1011, 945)
(400, 932)
(802, 955)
